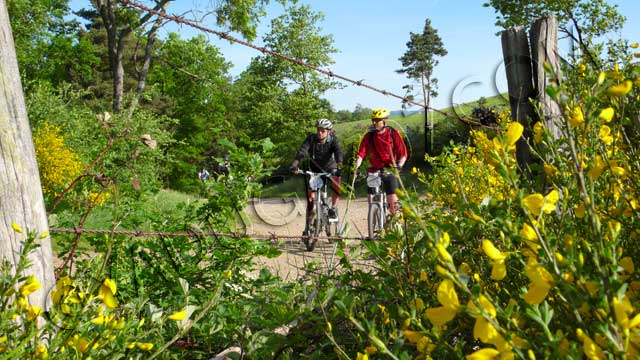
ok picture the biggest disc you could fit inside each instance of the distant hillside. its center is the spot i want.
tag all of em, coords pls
(395, 113)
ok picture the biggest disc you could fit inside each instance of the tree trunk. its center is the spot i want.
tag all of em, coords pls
(114, 45)
(544, 48)
(517, 64)
(117, 33)
(428, 127)
(21, 199)
(146, 64)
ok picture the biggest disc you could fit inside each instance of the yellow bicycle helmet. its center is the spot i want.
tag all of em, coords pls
(380, 113)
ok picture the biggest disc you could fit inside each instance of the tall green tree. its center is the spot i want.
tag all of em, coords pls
(46, 46)
(285, 98)
(120, 23)
(418, 63)
(190, 82)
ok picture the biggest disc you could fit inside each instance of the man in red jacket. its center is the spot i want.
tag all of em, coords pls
(386, 149)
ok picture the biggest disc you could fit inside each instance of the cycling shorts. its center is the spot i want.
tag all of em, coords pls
(390, 184)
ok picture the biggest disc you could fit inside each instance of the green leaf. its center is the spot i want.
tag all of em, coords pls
(552, 91)
(184, 284)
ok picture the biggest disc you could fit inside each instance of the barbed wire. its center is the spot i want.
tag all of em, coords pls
(141, 233)
(327, 72)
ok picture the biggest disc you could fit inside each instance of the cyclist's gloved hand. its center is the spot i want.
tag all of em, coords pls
(336, 172)
(294, 169)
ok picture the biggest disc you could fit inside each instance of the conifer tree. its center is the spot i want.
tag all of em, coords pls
(418, 63)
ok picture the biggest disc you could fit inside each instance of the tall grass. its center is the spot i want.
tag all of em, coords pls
(165, 204)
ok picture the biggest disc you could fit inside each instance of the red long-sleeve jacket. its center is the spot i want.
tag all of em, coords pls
(382, 149)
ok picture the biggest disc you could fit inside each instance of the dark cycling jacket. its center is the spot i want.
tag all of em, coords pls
(323, 157)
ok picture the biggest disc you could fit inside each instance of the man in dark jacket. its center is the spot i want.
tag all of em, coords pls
(325, 155)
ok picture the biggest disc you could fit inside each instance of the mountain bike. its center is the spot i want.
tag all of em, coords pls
(319, 220)
(378, 205)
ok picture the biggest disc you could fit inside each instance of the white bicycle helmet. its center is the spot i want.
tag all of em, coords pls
(324, 123)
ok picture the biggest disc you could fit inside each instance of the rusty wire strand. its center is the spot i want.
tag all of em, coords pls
(140, 233)
(327, 72)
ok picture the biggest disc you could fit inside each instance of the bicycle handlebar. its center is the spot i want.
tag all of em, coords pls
(364, 174)
(311, 173)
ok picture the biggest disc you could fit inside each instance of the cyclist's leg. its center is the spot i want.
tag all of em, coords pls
(335, 196)
(310, 201)
(391, 184)
(335, 187)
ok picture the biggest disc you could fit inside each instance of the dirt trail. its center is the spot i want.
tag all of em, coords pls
(285, 217)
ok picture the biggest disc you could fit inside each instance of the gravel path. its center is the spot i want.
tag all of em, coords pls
(285, 217)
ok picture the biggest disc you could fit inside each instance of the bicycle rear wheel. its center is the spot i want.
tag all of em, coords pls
(375, 220)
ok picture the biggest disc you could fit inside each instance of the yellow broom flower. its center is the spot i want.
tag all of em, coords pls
(448, 298)
(177, 316)
(484, 354)
(620, 89)
(491, 251)
(106, 293)
(514, 132)
(597, 168)
(498, 269)
(16, 227)
(144, 346)
(538, 131)
(536, 203)
(576, 118)
(605, 135)
(606, 115)
(541, 283)
(412, 336)
(33, 312)
(30, 286)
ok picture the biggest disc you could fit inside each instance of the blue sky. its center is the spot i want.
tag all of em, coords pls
(371, 36)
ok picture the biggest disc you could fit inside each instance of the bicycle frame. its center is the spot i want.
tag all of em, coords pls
(378, 205)
(320, 220)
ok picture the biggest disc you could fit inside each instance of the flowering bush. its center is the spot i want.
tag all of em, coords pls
(58, 164)
(468, 174)
(83, 320)
(517, 264)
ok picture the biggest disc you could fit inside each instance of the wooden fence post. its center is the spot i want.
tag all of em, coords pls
(21, 199)
(544, 48)
(517, 63)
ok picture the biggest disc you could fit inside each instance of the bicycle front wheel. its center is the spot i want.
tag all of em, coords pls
(332, 228)
(375, 220)
(317, 224)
